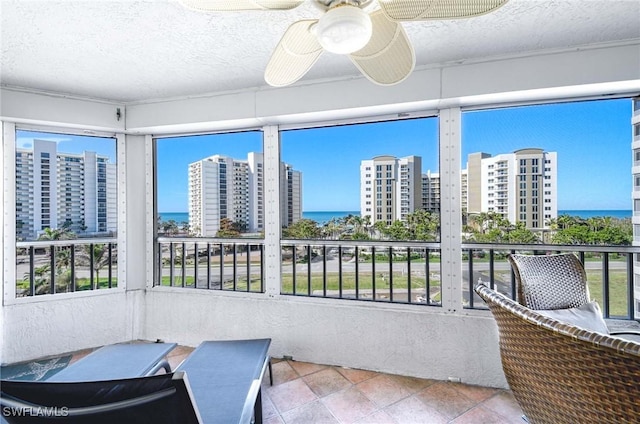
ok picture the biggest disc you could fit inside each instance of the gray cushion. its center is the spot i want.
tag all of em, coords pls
(587, 316)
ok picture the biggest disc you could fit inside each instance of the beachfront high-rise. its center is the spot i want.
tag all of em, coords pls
(431, 192)
(390, 188)
(291, 190)
(521, 186)
(54, 189)
(223, 187)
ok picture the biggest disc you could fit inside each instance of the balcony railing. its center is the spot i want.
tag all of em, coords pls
(391, 272)
(210, 263)
(609, 272)
(63, 266)
(381, 271)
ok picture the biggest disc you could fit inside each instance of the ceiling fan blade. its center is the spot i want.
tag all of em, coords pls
(420, 10)
(294, 55)
(236, 5)
(388, 58)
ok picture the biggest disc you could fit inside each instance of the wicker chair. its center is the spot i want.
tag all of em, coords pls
(550, 281)
(554, 282)
(560, 373)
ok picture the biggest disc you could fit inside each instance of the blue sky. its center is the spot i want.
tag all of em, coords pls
(592, 139)
(70, 143)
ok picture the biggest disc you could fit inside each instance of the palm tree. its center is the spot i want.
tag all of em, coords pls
(381, 228)
(41, 278)
(62, 254)
(97, 256)
(332, 229)
(170, 227)
(366, 222)
(566, 221)
(423, 225)
(62, 233)
(358, 224)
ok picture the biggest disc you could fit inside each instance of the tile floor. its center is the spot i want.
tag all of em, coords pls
(308, 393)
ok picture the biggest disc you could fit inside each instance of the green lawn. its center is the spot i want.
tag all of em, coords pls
(241, 284)
(618, 292)
(81, 285)
(365, 282)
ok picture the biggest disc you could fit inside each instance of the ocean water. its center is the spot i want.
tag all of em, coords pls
(178, 217)
(585, 214)
(322, 217)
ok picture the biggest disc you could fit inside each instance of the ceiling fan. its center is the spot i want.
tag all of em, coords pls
(372, 37)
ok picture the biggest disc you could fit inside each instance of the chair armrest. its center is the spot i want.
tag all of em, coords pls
(18, 404)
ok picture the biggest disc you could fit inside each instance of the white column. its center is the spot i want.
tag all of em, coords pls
(150, 217)
(272, 218)
(450, 209)
(8, 196)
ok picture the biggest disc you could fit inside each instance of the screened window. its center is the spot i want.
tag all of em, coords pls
(72, 208)
(210, 185)
(335, 164)
(60, 204)
(587, 190)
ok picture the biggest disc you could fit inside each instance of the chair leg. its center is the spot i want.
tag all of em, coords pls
(257, 409)
(270, 373)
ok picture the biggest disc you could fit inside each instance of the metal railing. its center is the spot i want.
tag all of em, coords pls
(63, 266)
(609, 272)
(210, 263)
(381, 271)
(378, 271)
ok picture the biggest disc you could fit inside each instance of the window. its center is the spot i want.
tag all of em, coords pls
(566, 169)
(343, 159)
(46, 210)
(39, 149)
(211, 185)
(580, 182)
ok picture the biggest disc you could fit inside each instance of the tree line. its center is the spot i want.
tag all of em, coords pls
(485, 227)
(422, 225)
(94, 256)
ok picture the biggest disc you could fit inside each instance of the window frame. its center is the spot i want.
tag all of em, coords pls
(9, 138)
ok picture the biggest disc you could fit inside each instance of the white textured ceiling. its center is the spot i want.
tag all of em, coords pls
(131, 51)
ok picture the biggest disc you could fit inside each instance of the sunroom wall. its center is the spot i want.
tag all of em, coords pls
(592, 71)
(433, 343)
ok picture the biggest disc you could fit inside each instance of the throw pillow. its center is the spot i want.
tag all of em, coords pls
(587, 316)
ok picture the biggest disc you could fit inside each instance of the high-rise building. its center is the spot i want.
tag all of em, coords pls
(291, 190)
(521, 186)
(54, 189)
(223, 187)
(464, 190)
(390, 188)
(431, 192)
(635, 195)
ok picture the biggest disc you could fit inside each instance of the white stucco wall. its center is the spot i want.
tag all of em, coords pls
(588, 71)
(400, 339)
(68, 323)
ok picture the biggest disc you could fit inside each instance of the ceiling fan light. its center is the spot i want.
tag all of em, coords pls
(344, 29)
